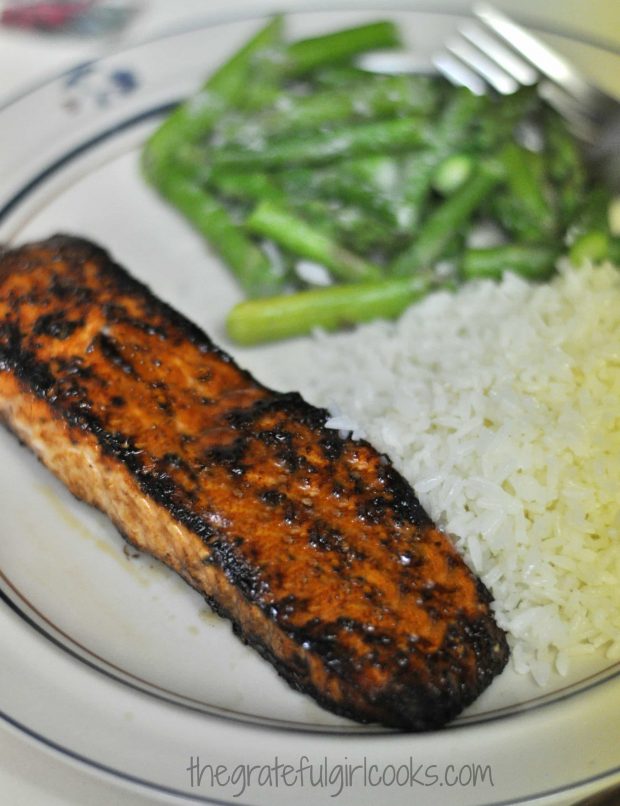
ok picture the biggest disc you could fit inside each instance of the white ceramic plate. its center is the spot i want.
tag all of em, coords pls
(110, 658)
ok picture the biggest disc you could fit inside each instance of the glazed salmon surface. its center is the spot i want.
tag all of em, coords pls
(314, 546)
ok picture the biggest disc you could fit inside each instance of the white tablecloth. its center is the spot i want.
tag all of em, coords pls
(29, 775)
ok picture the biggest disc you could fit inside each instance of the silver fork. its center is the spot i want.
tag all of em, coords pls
(493, 51)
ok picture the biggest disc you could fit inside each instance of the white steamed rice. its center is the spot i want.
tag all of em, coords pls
(501, 405)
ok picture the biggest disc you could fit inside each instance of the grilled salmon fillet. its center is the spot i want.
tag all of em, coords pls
(314, 546)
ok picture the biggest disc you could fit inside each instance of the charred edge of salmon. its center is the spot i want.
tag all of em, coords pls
(74, 248)
(415, 701)
(401, 705)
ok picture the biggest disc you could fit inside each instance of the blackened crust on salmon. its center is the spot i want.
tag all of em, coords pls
(314, 546)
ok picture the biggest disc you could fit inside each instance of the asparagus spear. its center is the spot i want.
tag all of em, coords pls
(330, 308)
(453, 127)
(590, 247)
(462, 109)
(532, 262)
(334, 76)
(377, 137)
(189, 121)
(500, 118)
(350, 182)
(452, 172)
(254, 271)
(247, 187)
(299, 237)
(563, 154)
(352, 226)
(307, 54)
(383, 137)
(417, 173)
(529, 209)
(439, 228)
(590, 234)
(373, 98)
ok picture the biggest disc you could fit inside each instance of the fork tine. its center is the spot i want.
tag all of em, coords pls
(483, 65)
(505, 57)
(549, 63)
(458, 73)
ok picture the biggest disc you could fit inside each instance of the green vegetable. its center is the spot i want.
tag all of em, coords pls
(563, 154)
(592, 246)
(247, 187)
(417, 175)
(532, 262)
(453, 129)
(461, 111)
(330, 308)
(590, 236)
(449, 217)
(389, 136)
(594, 211)
(452, 172)
(307, 54)
(301, 238)
(530, 211)
(252, 268)
(499, 118)
(374, 98)
(339, 76)
(192, 119)
(566, 165)
(350, 182)
(291, 151)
